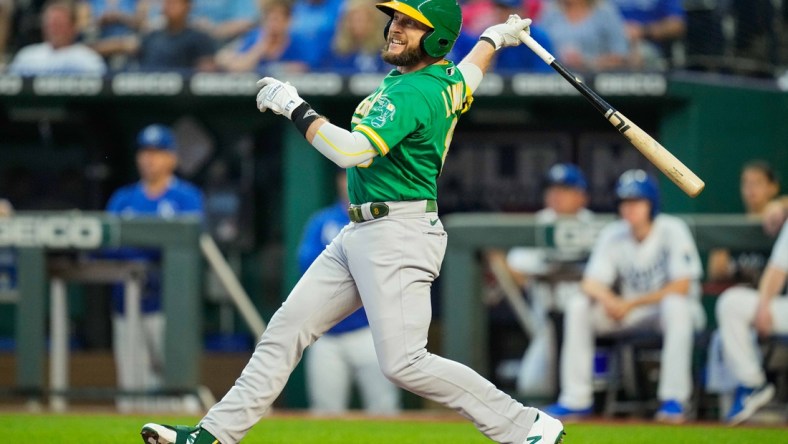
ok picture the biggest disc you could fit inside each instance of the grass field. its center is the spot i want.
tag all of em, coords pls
(87, 428)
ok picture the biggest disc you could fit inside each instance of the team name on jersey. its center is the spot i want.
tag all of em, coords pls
(452, 98)
(365, 106)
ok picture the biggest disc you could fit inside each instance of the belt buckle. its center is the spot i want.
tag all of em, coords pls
(378, 209)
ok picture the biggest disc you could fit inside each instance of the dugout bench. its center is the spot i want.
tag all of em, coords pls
(36, 235)
(465, 332)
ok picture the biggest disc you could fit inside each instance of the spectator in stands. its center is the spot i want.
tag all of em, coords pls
(6, 16)
(158, 193)
(643, 273)
(652, 27)
(269, 48)
(59, 53)
(178, 46)
(313, 25)
(112, 23)
(358, 41)
(346, 352)
(589, 35)
(741, 310)
(520, 58)
(759, 185)
(565, 198)
(224, 20)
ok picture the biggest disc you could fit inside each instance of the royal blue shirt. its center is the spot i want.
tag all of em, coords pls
(180, 199)
(649, 11)
(321, 229)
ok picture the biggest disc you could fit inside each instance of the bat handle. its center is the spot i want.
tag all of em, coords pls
(536, 47)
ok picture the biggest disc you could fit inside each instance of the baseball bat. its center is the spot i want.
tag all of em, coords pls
(663, 159)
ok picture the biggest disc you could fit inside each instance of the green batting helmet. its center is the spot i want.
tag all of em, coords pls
(443, 16)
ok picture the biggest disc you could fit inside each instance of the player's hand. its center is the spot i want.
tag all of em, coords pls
(281, 98)
(507, 34)
(774, 216)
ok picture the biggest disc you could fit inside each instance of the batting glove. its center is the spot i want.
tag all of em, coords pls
(280, 97)
(506, 34)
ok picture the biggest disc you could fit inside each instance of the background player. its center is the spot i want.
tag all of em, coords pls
(388, 257)
(346, 352)
(158, 193)
(655, 262)
(741, 309)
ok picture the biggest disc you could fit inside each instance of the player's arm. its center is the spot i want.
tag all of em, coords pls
(344, 148)
(772, 282)
(598, 290)
(477, 61)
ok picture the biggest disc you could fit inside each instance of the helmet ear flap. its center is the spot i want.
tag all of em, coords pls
(386, 29)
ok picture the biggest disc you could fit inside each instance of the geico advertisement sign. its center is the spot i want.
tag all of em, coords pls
(53, 232)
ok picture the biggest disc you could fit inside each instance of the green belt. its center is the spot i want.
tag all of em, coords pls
(380, 209)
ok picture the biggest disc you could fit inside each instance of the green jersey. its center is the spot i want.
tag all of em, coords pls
(410, 121)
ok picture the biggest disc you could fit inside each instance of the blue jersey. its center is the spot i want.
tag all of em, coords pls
(649, 11)
(180, 199)
(321, 229)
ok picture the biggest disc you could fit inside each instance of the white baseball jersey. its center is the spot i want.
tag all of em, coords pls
(779, 257)
(667, 254)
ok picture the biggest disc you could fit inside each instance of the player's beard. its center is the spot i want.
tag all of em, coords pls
(408, 57)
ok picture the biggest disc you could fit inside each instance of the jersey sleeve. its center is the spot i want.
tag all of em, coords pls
(394, 115)
(601, 265)
(684, 260)
(779, 257)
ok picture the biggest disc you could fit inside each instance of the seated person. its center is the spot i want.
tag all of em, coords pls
(758, 186)
(111, 23)
(59, 53)
(588, 35)
(313, 25)
(358, 41)
(643, 273)
(224, 20)
(269, 48)
(741, 310)
(177, 46)
(652, 25)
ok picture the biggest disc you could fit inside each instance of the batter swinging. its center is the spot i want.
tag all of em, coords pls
(390, 253)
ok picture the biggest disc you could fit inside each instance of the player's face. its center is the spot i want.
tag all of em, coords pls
(403, 46)
(756, 190)
(566, 201)
(637, 212)
(155, 164)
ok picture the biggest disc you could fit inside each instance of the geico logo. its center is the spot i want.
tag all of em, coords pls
(67, 85)
(631, 84)
(53, 232)
(575, 234)
(540, 84)
(10, 85)
(206, 84)
(167, 84)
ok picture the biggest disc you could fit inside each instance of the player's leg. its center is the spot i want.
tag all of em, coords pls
(328, 375)
(325, 295)
(577, 356)
(132, 359)
(735, 314)
(395, 262)
(378, 394)
(678, 320)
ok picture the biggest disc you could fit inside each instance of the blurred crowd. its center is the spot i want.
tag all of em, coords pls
(294, 36)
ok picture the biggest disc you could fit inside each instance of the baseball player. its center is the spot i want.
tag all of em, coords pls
(346, 352)
(158, 193)
(653, 259)
(739, 309)
(388, 256)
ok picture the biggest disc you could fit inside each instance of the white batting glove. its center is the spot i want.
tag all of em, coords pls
(280, 97)
(507, 34)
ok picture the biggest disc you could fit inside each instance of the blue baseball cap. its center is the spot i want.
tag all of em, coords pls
(566, 174)
(509, 3)
(156, 136)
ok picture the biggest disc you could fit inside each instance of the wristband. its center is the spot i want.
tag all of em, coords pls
(488, 40)
(303, 116)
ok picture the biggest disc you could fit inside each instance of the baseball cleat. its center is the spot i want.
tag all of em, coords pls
(747, 401)
(153, 433)
(671, 412)
(546, 430)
